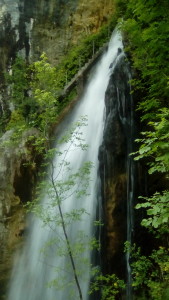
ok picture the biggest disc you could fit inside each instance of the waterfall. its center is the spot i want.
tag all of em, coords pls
(31, 273)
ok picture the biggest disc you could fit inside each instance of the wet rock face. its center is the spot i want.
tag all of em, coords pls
(27, 25)
(16, 186)
(113, 156)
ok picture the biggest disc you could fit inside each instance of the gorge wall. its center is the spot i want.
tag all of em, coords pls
(30, 27)
(17, 179)
(120, 176)
(113, 165)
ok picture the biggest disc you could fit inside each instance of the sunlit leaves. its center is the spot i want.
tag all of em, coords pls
(146, 26)
(150, 274)
(110, 285)
(157, 209)
(155, 148)
(155, 143)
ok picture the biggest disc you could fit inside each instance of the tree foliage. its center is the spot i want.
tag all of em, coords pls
(18, 81)
(150, 274)
(45, 93)
(146, 27)
(110, 286)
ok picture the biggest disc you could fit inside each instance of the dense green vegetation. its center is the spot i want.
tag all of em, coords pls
(109, 285)
(145, 26)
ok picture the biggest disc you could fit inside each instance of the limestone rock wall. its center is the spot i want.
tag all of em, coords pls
(31, 27)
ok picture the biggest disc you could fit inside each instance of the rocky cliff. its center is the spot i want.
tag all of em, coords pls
(17, 178)
(30, 27)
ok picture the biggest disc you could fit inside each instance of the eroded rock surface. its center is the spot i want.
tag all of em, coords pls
(17, 179)
(114, 158)
(31, 27)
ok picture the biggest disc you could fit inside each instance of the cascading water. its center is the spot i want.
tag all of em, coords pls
(30, 273)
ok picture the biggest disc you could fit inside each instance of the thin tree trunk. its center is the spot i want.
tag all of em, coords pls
(68, 244)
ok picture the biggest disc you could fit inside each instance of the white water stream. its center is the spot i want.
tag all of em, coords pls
(31, 271)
